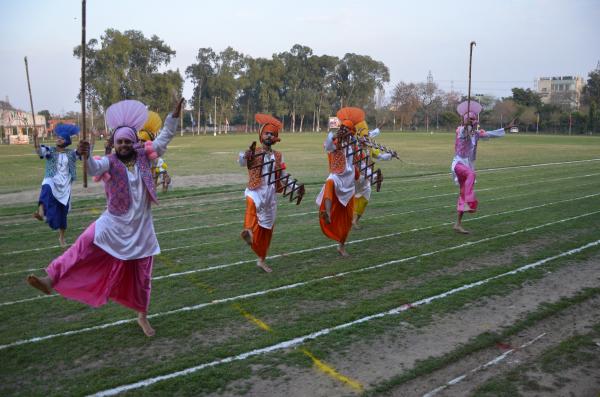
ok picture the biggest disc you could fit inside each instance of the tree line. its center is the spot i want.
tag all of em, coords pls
(301, 88)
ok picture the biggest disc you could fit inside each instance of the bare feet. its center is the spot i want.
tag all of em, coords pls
(356, 226)
(261, 264)
(326, 216)
(145, 324)
(460, 229)
(341, 249)
(44, 284)
(37, 216)
(246, 235)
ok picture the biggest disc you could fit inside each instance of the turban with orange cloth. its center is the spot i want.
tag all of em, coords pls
(269, 124)
(350, 116)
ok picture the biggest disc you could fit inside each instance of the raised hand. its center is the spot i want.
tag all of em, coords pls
(83, 148)
(177, 110)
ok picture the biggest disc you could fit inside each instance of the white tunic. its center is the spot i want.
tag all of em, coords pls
(344, 182)
(264, 196)
(60, 183)
(131, 236)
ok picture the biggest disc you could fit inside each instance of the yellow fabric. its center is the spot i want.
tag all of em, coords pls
(375, 153)
(144, 136)
(360, 204)
(151, 128)
(362, 129)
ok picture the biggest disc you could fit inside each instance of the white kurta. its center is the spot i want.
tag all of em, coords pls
(60, 183)
(344, 182)
(264, 196)
(131, 236)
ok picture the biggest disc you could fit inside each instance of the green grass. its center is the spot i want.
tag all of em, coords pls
(199, 228)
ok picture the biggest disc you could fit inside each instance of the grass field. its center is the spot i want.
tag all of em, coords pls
(415, 305)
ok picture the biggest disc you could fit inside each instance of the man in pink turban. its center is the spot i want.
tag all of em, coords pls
(463, 164)
(112, 258)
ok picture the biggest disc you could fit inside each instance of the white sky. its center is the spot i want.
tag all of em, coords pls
(517, 40)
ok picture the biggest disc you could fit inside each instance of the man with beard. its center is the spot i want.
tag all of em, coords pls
(55, 197)
(112, 258)
(261, 197)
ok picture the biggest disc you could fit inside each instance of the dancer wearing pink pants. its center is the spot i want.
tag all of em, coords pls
(465, 153)
(112, 259)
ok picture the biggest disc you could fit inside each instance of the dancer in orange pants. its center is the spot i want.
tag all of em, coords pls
(336, 199)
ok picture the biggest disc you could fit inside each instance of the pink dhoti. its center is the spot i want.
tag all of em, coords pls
(90, 275)
(467, 201)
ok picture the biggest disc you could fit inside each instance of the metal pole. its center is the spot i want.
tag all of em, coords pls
(35, 137)
(83, 126)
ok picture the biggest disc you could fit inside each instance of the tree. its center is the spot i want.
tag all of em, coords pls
(528, 117)
(46, 114)
(504, 111)
(592, 115)
(591, 91)
(526, 97)
(429, 97)
(125, 65)
(405, 102)
(199, 73)
(357, 78)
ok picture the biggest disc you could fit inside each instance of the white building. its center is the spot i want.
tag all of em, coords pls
(564, 91)
(16, 126)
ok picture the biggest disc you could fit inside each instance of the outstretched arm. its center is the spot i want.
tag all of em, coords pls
(500, 132)
(168, 131)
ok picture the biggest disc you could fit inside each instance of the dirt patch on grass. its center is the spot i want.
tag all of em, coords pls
(388, 355)
(97, 189)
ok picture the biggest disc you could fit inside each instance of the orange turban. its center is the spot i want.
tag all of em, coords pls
(350, 116)
(269, 124)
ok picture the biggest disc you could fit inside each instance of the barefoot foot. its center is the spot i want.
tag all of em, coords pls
(37, 216)
(342, 251)
(145, 324)
(262, 265)
(356, 226)
(460, 229)
(44, 284)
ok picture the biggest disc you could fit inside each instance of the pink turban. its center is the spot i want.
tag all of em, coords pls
(126, 118)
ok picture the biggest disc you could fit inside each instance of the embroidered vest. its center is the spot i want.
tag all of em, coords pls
(466, 147)
(52, 162)
(337, 161)
(254, 174)
(117, 186)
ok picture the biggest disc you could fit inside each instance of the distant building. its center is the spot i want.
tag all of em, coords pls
(16, 125)
(564, 91)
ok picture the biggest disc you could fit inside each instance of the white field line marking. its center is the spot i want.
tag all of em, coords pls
(288, 286)
(28, 299)
(377, 203)
(215, 267)
(490, 363)
(395, 180)
(299, 340)
(314, 212)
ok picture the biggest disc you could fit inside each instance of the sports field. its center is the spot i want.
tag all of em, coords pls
(513, 308)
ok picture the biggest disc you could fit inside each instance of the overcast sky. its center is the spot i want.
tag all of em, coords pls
(517, 40)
